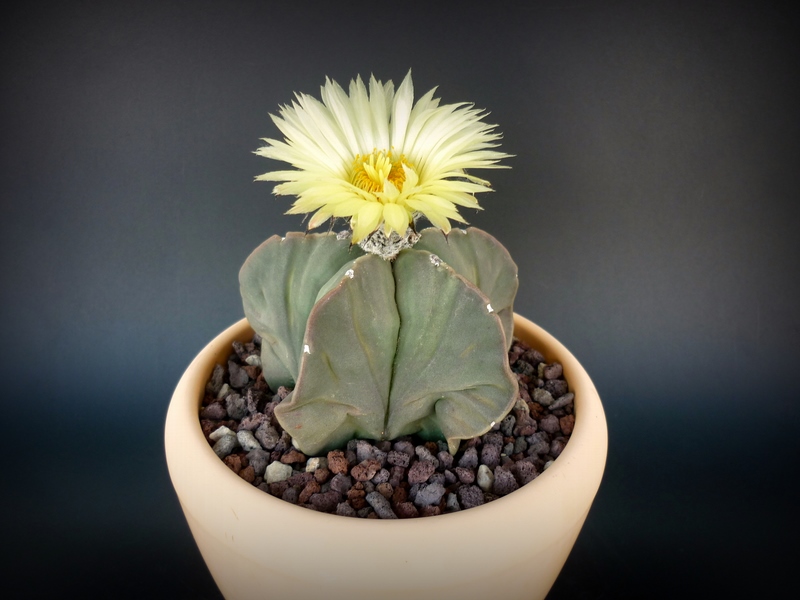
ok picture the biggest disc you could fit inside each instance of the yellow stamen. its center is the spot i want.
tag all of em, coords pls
(372, 171)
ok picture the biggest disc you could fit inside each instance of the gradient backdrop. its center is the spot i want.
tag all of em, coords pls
(652, 208)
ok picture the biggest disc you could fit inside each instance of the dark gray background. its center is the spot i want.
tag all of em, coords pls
(652, 208)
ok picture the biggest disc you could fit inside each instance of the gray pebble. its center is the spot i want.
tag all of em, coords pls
(424, 454)
(563, 401)
(538, 443)
(277, 471)
(237, 375)
(343, 509)
(520, 445)
(268, 436)
(508, 449)
(543, 397)
(254, 360)
(429, 495)
(341, 483)
(485, 478)
(215, 382)
(220, 432)
(469, 460)
(225, 445)
(247, 440)
(405, 447)
(223, 391)
(437, 478)
(557, 447)
(258, 459)
(507, 425)
(236, 406)
(380, 505)
(556, 387)
(452, 504)
(381, 476)
(364, 450)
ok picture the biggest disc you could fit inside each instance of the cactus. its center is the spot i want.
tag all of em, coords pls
(389, 348)
(383, 331)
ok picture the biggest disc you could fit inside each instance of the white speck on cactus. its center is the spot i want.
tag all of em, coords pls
(489, 308)
(435, 260)
(306, 349)
(349, 273)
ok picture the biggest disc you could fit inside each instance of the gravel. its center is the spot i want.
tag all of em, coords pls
(404, 478)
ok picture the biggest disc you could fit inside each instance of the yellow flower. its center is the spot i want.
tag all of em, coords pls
(379, 159)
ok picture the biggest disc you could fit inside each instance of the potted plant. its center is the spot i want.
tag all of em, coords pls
(381, 333)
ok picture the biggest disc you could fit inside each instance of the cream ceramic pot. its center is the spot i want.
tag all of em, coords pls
(257, 546)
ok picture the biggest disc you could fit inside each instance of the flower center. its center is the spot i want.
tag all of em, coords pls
(372, 171)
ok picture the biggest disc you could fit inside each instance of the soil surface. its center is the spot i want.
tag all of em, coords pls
(404, 478)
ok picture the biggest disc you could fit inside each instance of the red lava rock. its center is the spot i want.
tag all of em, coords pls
(557, 446)
(567, 423)
(300, 479)
(504, 482)
(430, 511)
(252, 372)
(325, 501)
(396, 475)
(385, 489)
(215, 411)
(365, 470)
(278, 488)
(516, 448)
(355, 497)
(553, 371)
(466, 476)
(312, 487)
(549, 424)
(399, 495)
(293, 456)
(420, 471)
(406, 510)
(235, 462)
(536, 410)
(337, 462)
(322, 474)
(248, 474)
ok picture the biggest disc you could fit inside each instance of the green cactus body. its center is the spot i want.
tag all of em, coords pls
(417, 345)
(279, 283)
